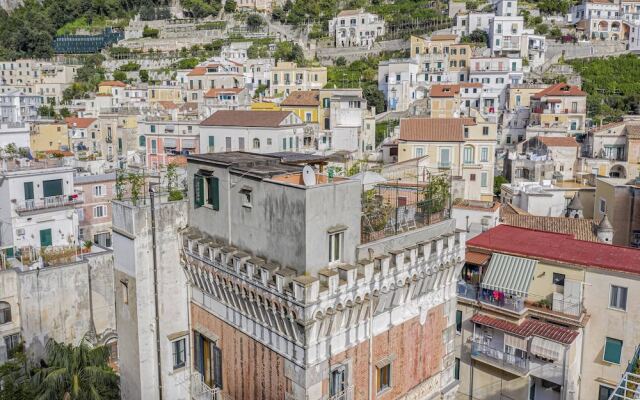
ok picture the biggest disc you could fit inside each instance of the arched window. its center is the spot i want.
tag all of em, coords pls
(256, 143)
(142, 141)
(5, 312)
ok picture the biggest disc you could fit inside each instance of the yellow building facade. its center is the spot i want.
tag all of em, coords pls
(49, 136)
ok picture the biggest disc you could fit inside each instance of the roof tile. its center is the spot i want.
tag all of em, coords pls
(529, 328)
(434, 129)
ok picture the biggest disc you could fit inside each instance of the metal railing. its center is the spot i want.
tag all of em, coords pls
(346, 394)
(22, 164)
(49, 202)
(199, 389)
(467, 290)
(629, 386)
(501, 358)
(515, 304)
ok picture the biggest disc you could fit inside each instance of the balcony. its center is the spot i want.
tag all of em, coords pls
(467, 290)
(48, 203)
(346, 394)
(24, 164)
(499, 359)
(513, 304)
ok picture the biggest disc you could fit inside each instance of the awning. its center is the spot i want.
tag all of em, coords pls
(170, 142)
(509, 274)
(547, 349)
(515, 342)
(188, 143)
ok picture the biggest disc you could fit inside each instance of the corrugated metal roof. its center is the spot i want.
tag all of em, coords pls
(509, 274)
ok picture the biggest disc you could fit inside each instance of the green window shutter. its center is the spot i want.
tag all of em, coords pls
(211, 141)
(612, 350)
(45, 238)
(142, 141)
(214, 195)
(28, 191)
(52, 187)
(198, 191)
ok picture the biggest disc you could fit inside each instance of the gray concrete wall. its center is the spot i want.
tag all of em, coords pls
(55, 302)
(136, 317)
(286, 224)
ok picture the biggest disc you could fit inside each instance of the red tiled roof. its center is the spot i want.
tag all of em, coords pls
(476, 258)
(309, 98)
(552, 141)
(269, 119)
(444, 90)
(434, 129)
(443, 37)
(633, 131)
(79, 122)
(558, 247)
(216, 91)
(168, 105)
(529, 328)
(607, 126)
(112, 83)
(197, 71)
(559, 89)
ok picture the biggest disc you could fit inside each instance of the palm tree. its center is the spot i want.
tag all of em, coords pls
(76, 373)
(14, 378)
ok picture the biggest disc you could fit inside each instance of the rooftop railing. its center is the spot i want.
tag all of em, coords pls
(50, 202)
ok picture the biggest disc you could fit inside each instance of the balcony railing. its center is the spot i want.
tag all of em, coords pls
(346, 394)
(499, 358)
(467, 290)
(49, 202)
(24, 164)
(515, 304)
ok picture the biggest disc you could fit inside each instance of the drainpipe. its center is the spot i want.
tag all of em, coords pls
(155, 284)
(371, 347)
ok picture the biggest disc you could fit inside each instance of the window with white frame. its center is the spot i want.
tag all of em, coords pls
(468, 155)
(335, 246)
(618, 297)
(99, 211)
(179, 353)
(99, 190)
(484, 180)
(484, 154)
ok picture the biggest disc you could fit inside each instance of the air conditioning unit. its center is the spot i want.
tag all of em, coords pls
(20, 232)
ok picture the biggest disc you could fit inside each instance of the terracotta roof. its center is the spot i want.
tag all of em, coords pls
(557, 247)
(112, 83)
(79, 122)
(473, 257)
(189, 106)
(434, 129)
(444, 90)
(607, 126)
(217, 91)
(444, 37)
(559, 89)
(197, 71)
(633, 131)
(582, 24)
(302, 98)
(347, 13)
(582, 229)
(528, 328)
(478, 206)
(552, 141)
(508, 208)
(168, 105)
(268, 119)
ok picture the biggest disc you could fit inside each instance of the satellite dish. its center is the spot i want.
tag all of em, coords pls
(308, 176)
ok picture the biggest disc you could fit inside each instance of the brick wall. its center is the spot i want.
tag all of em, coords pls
(249, 369)
(418, 351)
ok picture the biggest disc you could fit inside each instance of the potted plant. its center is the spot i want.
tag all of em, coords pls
(86, 246)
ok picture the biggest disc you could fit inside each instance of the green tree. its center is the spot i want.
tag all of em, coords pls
(341, 61)
(498, 181)
(477, 36)
(374, 97)
(144, 75)
(76, 372)
(150, 32)
(278, 14)
(289, 51)
(438, 193)
(254, 21)
(541, 29)
(230, 6)
(14, 378)
(119, 75)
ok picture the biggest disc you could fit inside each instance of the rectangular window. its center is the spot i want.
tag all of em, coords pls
(284, 143)
(52, 187)
(483, 180)
(99, 190)
(99, 211)
(11, 342)
(154, 146)
(384, 378)
(213, 195)
(603, 206)
(604, 392)
(335, 246)
(612, 350)
(468, 155)
(212, 141)
(152, 128)
(307, 117)
(227, 143)
(456, 369)
(46, 239)
(124, 285)
(179, 353)
(337, 384)
(198, 191)
(28, 191)
(484, 154)
(445, 157)
(5, 313)
(558, 279)
(485, 131)
(458, 321)
(618, 297)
